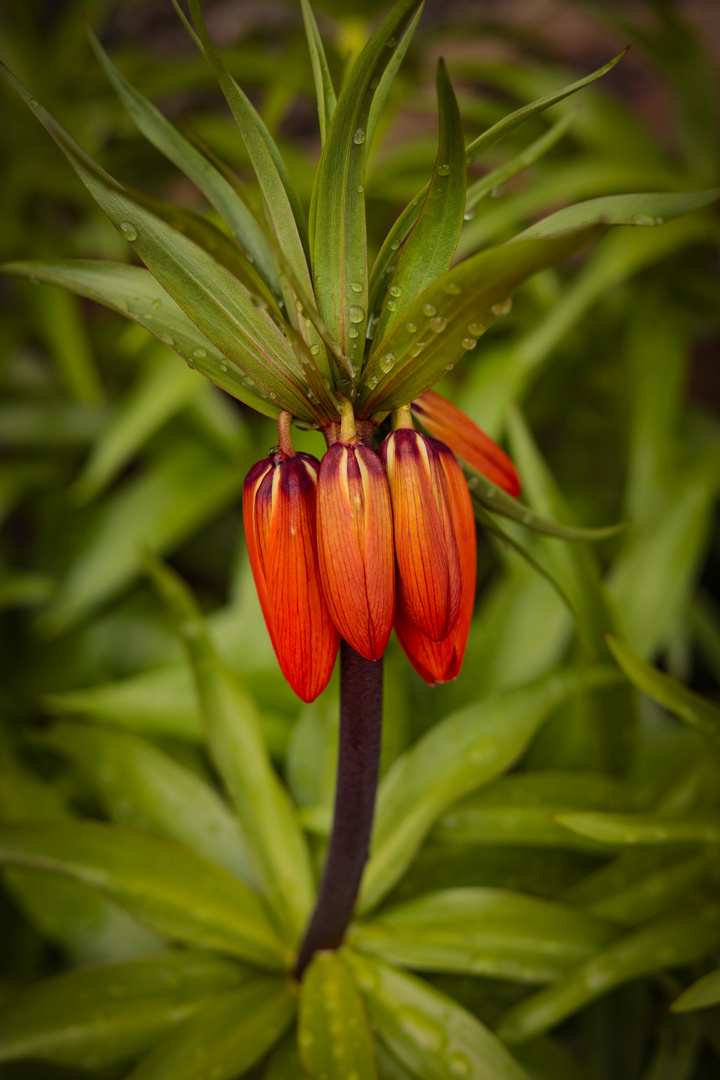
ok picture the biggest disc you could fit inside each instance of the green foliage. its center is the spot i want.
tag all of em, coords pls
(545, 856)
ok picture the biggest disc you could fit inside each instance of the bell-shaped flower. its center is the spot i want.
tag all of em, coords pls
(450, 425)
(279, 510)
(355, 546)
(439, 662)
(428, 564)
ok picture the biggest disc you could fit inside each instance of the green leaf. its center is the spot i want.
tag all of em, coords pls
(285, 1061)
(518, 809)
(493, 932)
(637, 209)
(95, 1017)
(696, 711)
(670, 941)
(324, 90)
(134, 293)
(224, 1039)
(700, 995)
(381, 94)
(232, 726)
(429, 249)
(460, 754)
(141, 787)
(340, 240)
(435, 1038)
(473, 150)
(215, 300)
(333, 1031)
(62, 325)
(698, 827)
(167, 886)
(178, 149)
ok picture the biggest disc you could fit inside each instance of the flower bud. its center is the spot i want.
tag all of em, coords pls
(441, 661)
(428, 564)
(355, 546)
(279, 509)
(450, 424)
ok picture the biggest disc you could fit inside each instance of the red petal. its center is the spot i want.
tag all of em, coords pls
(450, 424)
(355, 547)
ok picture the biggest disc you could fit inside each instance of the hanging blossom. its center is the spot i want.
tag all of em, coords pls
(365, 541)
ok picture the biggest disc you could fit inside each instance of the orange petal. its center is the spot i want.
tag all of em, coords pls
(303, 633)
(425, 548)
(450, 424)
(256, 523)
(439, 662)
(355, 546)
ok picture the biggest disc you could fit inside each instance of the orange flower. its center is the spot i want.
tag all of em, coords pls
(355, 546)
(441, 661)
(428, 564)
(450, 424)
(279, 509)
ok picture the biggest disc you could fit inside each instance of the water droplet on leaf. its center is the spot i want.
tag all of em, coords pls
(128, 230)
(395, 290)
(476, 329)
(388, 362)
(356, 314)
(359, 136)
(468, 343)
(503, 307)
(429, 310)
(438, 325)
(443, 170)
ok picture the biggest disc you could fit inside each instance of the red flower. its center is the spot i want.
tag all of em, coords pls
(441, 661)
(279, 510)
(355, 546)
(449, 424)
(428, 564)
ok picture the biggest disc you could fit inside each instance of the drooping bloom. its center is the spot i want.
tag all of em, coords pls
(451, 426)
(439, 662)
(355, 546)
(279, 510)
(428, 564)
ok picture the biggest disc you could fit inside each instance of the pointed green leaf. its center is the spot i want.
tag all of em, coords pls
(493, 932)
(95, 1017)
(324, 90)
(700, 995)
(134, 292)
(340, 240)
(222, 308)
(262, 802)
(333, 1031)
(435, 1038)
(670, 941)
(429, 249)
(697, 827)
(640, 209)
(285, 1061)
(403, 225)
(143, 788)
(224, 1039)
(457, 756)
(178, 149)
(381, 94)
(695, 710)
(167, 886)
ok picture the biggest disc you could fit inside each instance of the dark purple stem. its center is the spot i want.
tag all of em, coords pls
(361, 691)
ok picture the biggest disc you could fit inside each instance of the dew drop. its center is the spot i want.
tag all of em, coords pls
(388, 362)
(298, 305)
(459, 1063)
(496, 192)
(468, 343)
(372, 382)
(643, 219)
(168, 340)
(356, 286)
(273, 395)
(449, 367)
(223, 367)
(468, 215)
(395, 290)
(476, 329)
(452, 289)
(503, 307)
(308, 323)
(353, 332)
(356, 314)
(438, 325)
(443, 170)
(199, 354)
(422, 1028)
(157, 303)
(128, 230)
(359, 189)
(391, 305)
(418, 348)
(33, 103)
(359, 136)
(410, 327)
(393, 247)
(429, 310)
(315, 349)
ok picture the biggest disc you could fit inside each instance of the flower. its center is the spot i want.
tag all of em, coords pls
(279, 511)
(448, 423)
(355, 546)
(428, 564)
(441, 661)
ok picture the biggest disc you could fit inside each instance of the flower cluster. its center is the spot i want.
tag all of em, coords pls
(365, 541)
